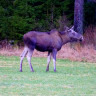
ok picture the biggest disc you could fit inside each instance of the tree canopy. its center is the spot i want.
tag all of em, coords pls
(20, 16)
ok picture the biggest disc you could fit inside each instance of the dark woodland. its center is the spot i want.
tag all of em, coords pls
(20, 16)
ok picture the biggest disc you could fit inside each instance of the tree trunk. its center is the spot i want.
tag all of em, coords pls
(52, 17)
(78, 16)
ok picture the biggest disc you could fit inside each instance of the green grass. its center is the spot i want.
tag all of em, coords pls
(71, 78)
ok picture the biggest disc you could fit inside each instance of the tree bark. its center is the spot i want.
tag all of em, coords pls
(78, 16)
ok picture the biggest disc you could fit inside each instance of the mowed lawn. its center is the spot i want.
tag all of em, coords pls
(71, 78)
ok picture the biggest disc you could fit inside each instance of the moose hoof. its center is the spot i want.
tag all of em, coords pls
(32, 71)
(21, 71)
(47, 70)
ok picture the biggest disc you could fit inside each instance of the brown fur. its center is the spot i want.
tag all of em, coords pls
(47, 41)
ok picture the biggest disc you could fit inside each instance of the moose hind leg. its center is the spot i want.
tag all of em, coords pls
(22, 57)
(29, 55)
(48, 61)
(54, 59)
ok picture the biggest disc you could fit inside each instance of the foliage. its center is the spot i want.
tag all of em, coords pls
(90, 13)
(20, 16)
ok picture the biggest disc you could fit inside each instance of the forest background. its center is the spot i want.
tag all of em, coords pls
(20, 16)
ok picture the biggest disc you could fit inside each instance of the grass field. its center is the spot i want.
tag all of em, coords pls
(71, 78)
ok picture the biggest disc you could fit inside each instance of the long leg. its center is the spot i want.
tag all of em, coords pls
(29, 55)
(22, 57)
(54, 52)
(48, 61)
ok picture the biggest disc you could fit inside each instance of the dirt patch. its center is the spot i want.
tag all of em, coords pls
(78, 53)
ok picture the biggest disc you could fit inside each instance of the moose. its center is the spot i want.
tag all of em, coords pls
(47, 41)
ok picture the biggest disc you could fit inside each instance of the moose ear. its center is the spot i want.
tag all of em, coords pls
(72, 28)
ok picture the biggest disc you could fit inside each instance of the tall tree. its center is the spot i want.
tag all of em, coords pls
(78, 16)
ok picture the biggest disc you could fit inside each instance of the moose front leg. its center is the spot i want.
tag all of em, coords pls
(54, 58)
(29, 55)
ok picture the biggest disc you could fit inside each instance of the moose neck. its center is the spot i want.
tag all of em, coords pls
(65, 39)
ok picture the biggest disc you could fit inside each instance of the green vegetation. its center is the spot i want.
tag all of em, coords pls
(20, 16)
(71, 78)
